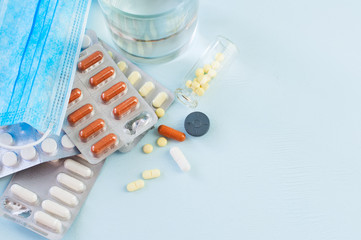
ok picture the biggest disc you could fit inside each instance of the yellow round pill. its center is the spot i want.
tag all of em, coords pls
(160, 112)
(195, 84)
(205, 86)
(219, 57)
(162, 142)
(206, 68)
(199, 72)
(147, 148)
(189, 83)
(200, 91)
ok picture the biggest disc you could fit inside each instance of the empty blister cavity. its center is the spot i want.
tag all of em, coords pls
(71, 182)
(137, 123)
(24, 194)
(16, 208)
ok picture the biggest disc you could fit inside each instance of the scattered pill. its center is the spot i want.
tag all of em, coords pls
(134, 77)
(56, 209)
(207, 67)
(147, 148)
(48, 221)
(150, 174)
(103, 144)
(66, 142)
(86, 42)
(146, 88)
(162, 142)
(199, 72)
(215, 65)
(180, 159)
(78, 114)
(125, 107)
(196, 124)
(24, 194)
(49, 146)
(75, 94)
(122, 66)
(101, 76)
(78, 168)
(90, 61)
(160, 112)
(171, 133)
(113, 91)
(28, 153)
(136, 185)
(219, 57)
(91, 129)
(71, 182)
(189, 83)
(64, 196)
(9, 159)
(159, 99)
(6, 139)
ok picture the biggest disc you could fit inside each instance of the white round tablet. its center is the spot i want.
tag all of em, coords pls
(9, 159)
(28, 154)
(6, 139)
(86, 42)
(49, 146)
(66, 142)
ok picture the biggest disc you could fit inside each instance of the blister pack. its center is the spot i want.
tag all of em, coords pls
(47, 198)
(105, 112)
(53, 147)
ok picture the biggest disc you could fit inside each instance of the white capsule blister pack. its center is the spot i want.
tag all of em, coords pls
(105, 112)
(53, 147)
(47, 198)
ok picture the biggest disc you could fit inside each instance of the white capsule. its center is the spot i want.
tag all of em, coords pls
(71, 183)
(56, 209)
(66, 142)
(78, 168)
(146, 88)
(160, 99)
(28, 153)
(180, 159)
(64, 196)
(134, 77)
(49, 146)
(24, 194)
(6, 139)
(9, 159)
(48, 221)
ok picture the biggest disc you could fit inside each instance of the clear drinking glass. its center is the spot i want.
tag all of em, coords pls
(151, 30)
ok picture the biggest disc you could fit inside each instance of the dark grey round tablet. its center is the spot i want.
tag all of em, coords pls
(196, 124)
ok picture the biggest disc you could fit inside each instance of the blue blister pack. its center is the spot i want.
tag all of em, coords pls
(18, 135)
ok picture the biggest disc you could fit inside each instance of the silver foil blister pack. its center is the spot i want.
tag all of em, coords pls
(17, 135)
(47, 198)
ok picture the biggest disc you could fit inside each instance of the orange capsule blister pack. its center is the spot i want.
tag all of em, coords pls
(105, 112)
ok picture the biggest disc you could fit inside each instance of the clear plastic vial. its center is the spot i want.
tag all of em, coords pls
(209, 67)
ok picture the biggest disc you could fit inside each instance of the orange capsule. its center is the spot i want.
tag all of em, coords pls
(75, 94)
(125, 107)
(90, 61)
(113, 91)
(91, 129)
(80, 113)
(101, 76)
(103, 144)
(171, 133)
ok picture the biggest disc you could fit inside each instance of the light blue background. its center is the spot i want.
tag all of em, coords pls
(282, 159)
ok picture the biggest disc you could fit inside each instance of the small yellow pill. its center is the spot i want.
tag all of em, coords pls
(219, 57)
(134, 77)
(147, 148)
(188, 83)
(199, 72)
(205, 86)
(122, 66)
(195, 84)
(215, 65)
(146, 88)
(159, 99)
(136, 185)
(200, 91)
(162, 142)
(110, 54)
(160, 112)
(212, 73)
(150, 174)
(205, 79)
(206, 68)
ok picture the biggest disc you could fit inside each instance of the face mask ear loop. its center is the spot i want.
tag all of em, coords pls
(45, 135)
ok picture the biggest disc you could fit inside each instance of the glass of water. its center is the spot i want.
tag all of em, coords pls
(151, 30)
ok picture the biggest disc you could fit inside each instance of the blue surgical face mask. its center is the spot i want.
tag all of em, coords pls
(40, 42)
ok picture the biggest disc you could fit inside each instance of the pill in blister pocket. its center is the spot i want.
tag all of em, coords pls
(90, 61)
(6, 138)
(71, 182)
(160, 112)
(171, 133)
(91, 129)
(64, 196)
(180, 159)
(159, 99)
(56, 209)
(101, 76)
(75, 94)
(103, 144)
(9, 159)
(66, 142)
(24, 194)
(136, 185)
(122, 66)
(48, 221)
(125, 107)
(49, 146)
(78, 168)
(146, 88)
(28, 153)
(75, 116)
(113, 91)
(134, 77)
(150, 174)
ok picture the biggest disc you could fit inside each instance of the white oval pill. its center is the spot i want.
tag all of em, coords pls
(24, 194)
(70, 182)
(64, 196)
(9, 159)
(49, 146)
(160, 99)
(134, 77)
(78, 168)
(180, 159)
(28, 153)
(146, 88)
(66, 142)
(48, 221)
(56, 209)
(6, 139)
